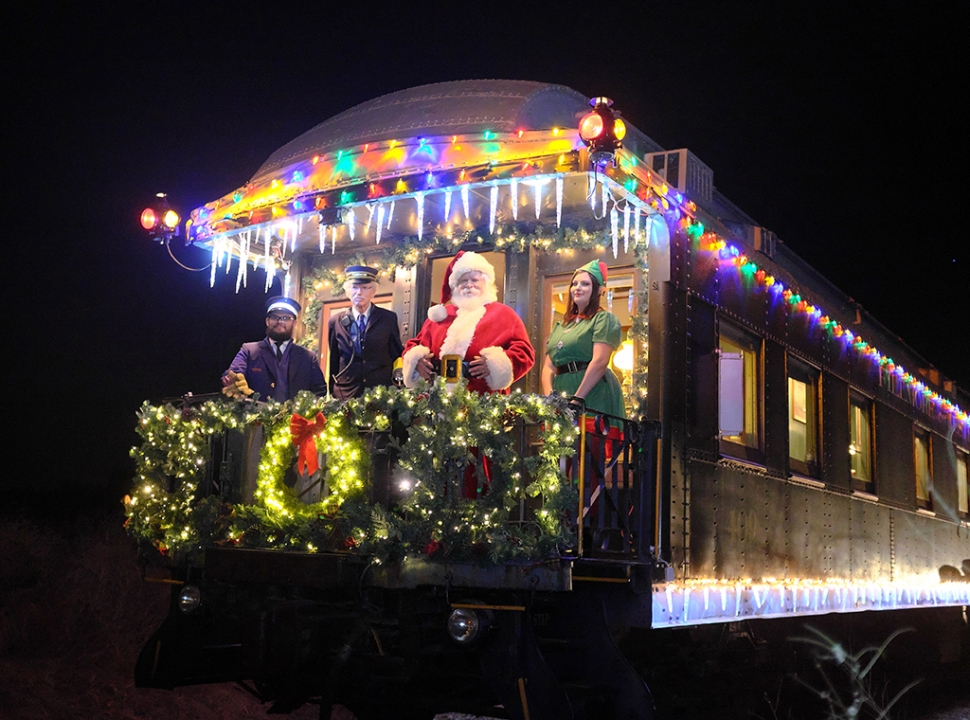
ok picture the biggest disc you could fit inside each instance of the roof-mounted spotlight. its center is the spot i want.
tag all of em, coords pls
(160, 220)
(602, 131)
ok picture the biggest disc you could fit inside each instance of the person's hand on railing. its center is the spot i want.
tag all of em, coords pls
(577, 405)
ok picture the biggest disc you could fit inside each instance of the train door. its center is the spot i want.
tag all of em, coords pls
(620, 300)
(382, 300)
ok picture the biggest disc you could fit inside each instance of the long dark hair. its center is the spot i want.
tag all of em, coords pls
(572, 312)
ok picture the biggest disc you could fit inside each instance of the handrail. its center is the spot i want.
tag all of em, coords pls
(616, 477)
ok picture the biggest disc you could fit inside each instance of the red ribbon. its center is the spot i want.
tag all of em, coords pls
(303, 432)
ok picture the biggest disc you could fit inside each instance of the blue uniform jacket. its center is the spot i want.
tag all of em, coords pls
(257, 361)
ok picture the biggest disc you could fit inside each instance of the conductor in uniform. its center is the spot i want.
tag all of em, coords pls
(364, 340)
(275, 367)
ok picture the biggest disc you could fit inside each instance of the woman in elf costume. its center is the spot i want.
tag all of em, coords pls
(579, 348)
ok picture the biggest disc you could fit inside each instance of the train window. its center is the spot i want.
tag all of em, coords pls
(963, 503)
(739, 392)
(803, 386)
(860, 442)
(923, 458)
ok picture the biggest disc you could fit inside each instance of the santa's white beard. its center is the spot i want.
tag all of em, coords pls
(474, 302)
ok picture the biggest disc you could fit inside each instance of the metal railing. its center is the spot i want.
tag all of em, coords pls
(615, 472)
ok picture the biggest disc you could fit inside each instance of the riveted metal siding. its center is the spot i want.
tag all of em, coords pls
(870, 556)
(835, 431)
(702, 379)
(775, 409)
(895, 476)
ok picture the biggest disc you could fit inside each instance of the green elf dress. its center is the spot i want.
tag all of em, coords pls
(573, 343)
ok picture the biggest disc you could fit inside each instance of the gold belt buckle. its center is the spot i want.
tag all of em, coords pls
(451, 368)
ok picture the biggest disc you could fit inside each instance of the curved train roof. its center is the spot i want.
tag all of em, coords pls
(447, 108)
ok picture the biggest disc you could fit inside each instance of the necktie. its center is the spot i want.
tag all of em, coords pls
(361, 330)
(279, 352)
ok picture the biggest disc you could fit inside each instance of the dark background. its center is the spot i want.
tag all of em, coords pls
(835, 125)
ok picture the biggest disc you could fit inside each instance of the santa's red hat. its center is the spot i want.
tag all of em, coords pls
(463, 262)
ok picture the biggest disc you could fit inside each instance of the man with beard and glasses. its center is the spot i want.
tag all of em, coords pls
(275, 367)
(472, 336)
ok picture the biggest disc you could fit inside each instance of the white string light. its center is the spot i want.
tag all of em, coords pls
(492, 207)
(559, 187)
(370, 217)
(626, 228)
(380, 222)
(350, 220)
(614, 224)
(515, 198)
(419, 198)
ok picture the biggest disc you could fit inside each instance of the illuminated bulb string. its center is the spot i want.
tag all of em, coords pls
(922, 394)
(559, 188)
(626, 228)
(419, 198)
(380, 222)
(492, 207)
(514, 189)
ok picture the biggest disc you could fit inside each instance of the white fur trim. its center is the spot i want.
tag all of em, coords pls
(409, 361)
(468, 262)
(437, 313)
(461, 332)
(500, 371)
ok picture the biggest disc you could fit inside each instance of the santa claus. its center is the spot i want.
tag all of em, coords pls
(488, 336)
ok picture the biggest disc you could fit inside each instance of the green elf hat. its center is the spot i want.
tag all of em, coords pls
(596, 268)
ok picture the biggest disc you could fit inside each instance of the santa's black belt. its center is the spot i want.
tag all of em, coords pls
(571, 367)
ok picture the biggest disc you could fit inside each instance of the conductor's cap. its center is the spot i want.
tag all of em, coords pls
(282, 304)
(361, 274)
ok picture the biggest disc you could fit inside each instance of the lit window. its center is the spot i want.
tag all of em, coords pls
(924, 467)
(860, 442)
(739, 388)
(803, 419)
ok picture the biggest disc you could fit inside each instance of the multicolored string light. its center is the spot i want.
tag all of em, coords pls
(731, 254)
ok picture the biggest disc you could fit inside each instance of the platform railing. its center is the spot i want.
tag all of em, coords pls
(615, 472)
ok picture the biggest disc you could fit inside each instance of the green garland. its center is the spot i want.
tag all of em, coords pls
(389, 257)
(439, 429)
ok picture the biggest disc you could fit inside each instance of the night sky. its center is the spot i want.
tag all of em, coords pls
(837, 128)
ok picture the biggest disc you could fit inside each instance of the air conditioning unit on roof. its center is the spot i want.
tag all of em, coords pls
(684, 171)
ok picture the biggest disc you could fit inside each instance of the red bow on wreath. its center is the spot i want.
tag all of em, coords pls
(303, 432)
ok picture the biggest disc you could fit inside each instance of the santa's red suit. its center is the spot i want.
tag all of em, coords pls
(492, 331)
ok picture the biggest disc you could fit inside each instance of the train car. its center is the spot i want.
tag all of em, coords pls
(783, 454)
